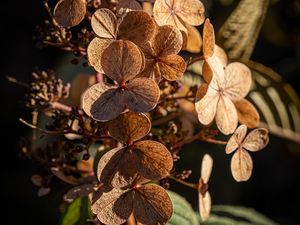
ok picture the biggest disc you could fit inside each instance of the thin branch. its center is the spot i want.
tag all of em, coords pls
(194, 186)
(192, 61)
(14, 80)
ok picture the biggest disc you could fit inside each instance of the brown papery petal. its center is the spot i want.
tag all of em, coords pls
(241, 165)
(95, 50)
(208, 39)
(113, 207)
(247, 113)
(256, 140)
(221, 55)
(129, 126)
(207, 72)
(226, 116)
(168, 40)
(141, 95)
(206, 168)
(104, 23)
(116, 168)
(79, 191)
(69, 13)
(163, 15)
(153, 160)
(125, 6)
(214, 73)
(121, 61)
(235, 141)
(194, 40)
(152, 205)
(190, 11)
(102, 103)
(204, 205)
(138, 27)
(201, 91)
(238, 81)
(207, 107)
(172, 67)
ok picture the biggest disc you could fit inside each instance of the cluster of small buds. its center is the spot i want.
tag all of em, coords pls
(185, 174)
(46, 89)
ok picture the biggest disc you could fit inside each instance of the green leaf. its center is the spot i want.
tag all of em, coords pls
(183, 214)
(77, 213)
(219, 220)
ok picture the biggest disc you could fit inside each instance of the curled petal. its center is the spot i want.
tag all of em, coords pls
(208, 39)
(201, 92)
(104, 23)
(226, 116)
(237, 81)
(172, 67)
(236, 139)
(247, 113)
(256, 140)
(193, 40)
(141, 95)
(241, 165)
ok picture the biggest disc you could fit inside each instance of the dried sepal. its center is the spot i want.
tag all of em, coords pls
(153, 160)
(256, 140)
(236, 139)
(129, 127)
(69, 13)
(104, 23)
(121, 61)
(193, 40)
(177, 13)
(138, 27)
(208, 39)
(247, 113)
(241, 165)
(78, 191)
(152, 205)
(206, 168)
(204, 205)
(141, 95)
(102, 102)
(172, 67)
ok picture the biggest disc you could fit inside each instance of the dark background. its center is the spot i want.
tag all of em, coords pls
(274, 187)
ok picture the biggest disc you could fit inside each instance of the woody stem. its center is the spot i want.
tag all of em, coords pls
(191, 185)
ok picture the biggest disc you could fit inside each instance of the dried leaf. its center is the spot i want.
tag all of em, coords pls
(95, 51)
(204, 205)
(256, 140)
(193, 40)
(241, 165)
(236, 139)
(79, 191)
(152, 205)
(138, 27)
(153, 160)
(116, 168)
(247, 113)
(125, 6)
(113, 206)
(178, 12)
(172, 67)
(129, 127)
(102, 103)
(206, 168)
(238, 80)
(226, 116)
(208, 39)
(126, 60)
(141, 95)
(167, 41)
(69, 13)
(104, 23)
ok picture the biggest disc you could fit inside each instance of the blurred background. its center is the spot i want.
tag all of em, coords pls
(275, 185)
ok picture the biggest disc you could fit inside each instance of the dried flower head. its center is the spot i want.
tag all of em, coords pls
(204, 196)
(161, 55)
(121, 61)
(120, 166)
(136, 26)
(178, 13)
(69, 13)
(150, 204)
(241, 162)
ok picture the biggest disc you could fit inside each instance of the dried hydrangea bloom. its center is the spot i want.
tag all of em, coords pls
(204, 196)
(178, 13)
(150, 204)
(69, 13)
(241, 162)
(120, 166)
(216, 99)
(136, 26)
(121, 61)
(161, 55)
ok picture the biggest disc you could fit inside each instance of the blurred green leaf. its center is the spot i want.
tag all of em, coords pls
(183, 214)
(77, 213)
